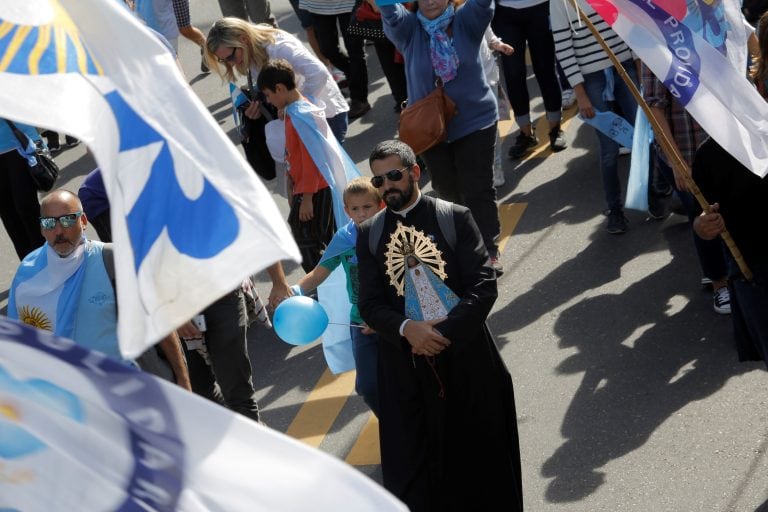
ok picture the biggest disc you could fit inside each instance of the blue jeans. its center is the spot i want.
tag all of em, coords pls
(594, 85)
(366, 354)
(338, 124)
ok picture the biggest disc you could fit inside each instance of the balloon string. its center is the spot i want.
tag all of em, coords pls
(347, 325)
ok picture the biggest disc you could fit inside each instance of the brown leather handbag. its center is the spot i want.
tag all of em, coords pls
(424, 124)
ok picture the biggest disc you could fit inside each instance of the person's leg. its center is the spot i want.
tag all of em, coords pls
(327, 35)
(19, 207)
(542, 50)
(339, 124)
(313, 236)
(594, 84)
(393, 71)
(508, 24)
(473, 156)
(225, 338)
(233, 8)
(365, 351)
(442, 168)
(260, 11)
(358, 70)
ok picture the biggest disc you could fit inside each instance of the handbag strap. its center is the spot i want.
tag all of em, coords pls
(22, 137)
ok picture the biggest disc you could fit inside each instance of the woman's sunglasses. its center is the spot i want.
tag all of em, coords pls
(230, 57)
(393, 175)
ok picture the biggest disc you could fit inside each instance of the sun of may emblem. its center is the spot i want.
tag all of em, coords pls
(408, 241)
(35, 317)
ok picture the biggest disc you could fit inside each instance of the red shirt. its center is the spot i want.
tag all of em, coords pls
(304, 173)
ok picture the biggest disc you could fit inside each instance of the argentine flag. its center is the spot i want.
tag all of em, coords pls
(190, 220)
(82, 432)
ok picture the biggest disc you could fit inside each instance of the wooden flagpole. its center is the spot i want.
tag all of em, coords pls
(670, 150)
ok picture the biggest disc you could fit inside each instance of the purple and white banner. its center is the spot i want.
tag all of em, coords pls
(696, 68)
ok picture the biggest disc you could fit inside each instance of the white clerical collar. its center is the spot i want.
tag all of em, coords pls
(405, 211)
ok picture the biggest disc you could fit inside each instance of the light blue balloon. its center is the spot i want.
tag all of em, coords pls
(299, 320)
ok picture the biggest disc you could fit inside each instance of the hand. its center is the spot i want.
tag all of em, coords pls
(280, 291)
(502, 47)
(680, 182)
(709, 225)
(188, 330)
(585, 106)
(306, 211)
(425, 340)
(253, 111)
(367, 330)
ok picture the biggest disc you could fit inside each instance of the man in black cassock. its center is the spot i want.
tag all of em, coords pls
(447, 425)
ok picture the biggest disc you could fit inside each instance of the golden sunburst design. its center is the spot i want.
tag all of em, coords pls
(409, 241)
(9, 412)
(35, 317)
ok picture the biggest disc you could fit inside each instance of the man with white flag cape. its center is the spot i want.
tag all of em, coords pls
(183, 201)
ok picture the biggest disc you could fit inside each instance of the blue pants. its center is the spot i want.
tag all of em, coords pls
(594, 84)
(366, 354)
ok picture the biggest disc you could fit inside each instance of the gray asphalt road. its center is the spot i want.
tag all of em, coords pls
(629, 396)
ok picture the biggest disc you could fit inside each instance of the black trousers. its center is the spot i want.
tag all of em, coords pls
(394, 72)
(19, 207)
(351, 63)
(228, 380)
(462, 172)
(314, 235)
(516, 27)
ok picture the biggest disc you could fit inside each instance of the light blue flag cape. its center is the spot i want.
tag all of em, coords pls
(46, 290)
(344, 240)
(637, 185)
(238, 99)
(337, 168)
(612, 125)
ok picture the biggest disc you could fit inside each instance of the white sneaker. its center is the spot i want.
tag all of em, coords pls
(722, 301)
(569, 98)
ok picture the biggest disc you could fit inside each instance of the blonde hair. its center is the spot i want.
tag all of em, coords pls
(360, 186)
(237, 33)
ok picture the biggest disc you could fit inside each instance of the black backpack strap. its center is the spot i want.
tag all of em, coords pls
(108, 256)
(20, 135)
(445, 221)
(374, 234)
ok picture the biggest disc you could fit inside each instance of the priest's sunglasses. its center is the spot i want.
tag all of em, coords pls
(66, 221)
(393, 175)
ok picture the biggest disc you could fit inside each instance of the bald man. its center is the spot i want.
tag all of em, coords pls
(66, 287)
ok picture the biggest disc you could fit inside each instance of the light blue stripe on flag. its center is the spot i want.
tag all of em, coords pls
(637, 185)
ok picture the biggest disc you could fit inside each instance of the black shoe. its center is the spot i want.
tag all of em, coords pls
(617, 222)
(557, 139)
(71, 141)
(656, 210)
(523, 144)
(497, 266)
(357, 108)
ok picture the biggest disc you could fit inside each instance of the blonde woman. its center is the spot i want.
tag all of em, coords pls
(236, 48)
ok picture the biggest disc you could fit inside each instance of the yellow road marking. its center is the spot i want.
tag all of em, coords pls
(509, 216)
(321, 408)
(365, 451)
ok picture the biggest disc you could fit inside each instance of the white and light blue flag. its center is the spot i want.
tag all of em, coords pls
(337, 169)
(81, 432)
(698, 50)
(190, 220)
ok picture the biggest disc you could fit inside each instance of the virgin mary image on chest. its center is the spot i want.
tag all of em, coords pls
(416, 268)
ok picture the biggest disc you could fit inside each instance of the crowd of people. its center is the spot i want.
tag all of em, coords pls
(421, 271)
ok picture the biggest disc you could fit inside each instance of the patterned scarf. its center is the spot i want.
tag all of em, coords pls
(445, 61)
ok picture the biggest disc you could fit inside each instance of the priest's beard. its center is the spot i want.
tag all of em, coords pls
(397, 199)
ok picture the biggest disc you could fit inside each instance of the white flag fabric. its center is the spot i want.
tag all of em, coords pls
(696, 69)
(80, 431)
(189, 218)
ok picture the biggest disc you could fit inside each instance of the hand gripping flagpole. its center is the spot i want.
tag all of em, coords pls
(670, 150)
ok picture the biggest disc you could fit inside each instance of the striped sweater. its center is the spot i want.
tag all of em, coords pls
(576, 48)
